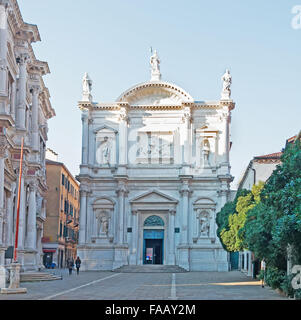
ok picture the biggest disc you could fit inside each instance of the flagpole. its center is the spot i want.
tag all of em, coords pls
(18, 204)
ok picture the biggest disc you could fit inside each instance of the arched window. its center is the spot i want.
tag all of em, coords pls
(154, 221)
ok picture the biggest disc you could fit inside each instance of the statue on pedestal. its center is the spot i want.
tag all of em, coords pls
(87, 88)
(106, 151)
(227, 81)
(206, 152)
(155, 67)
(103, 225)
(204, 224)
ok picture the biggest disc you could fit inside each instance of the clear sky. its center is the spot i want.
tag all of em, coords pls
(196, 41)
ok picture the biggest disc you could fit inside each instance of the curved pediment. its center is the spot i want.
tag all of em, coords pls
(155, 94)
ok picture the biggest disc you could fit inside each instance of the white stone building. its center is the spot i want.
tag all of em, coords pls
(24, 111)
(155, 170)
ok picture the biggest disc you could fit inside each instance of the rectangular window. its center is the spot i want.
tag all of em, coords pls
(61, 229)
(63, 179)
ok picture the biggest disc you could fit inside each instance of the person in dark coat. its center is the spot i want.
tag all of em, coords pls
(77, 264)
(70, 265)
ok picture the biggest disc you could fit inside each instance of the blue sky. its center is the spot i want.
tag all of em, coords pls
(196, 41)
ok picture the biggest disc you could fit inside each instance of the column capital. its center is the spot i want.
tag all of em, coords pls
(23, 59)
(122, 190)
(187, 117)
(134, 212)
(186, 191)
(33, 185)
(85, 116)
(123, 113)
(35, 89)
(3, 145)
(173, 212)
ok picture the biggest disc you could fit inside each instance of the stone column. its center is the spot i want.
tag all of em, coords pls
(123, 120)
(3, 50)
(185, 192)
(21, 233)
(35, 90)
(121, 192)
(184, 247)
(3, 147)
(10, 222)
(85, 137)
(13, 101)
(133, 256)
(171, 256)
(32, 218)
(225, 142)
(39, 256)
(91, 148)
(21, 109)
(83, 217)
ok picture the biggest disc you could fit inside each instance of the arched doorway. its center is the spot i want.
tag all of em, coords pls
(153, 240)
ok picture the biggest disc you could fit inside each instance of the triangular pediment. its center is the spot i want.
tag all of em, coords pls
(154, 197)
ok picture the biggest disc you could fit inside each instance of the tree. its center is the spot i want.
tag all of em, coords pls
(233, 237)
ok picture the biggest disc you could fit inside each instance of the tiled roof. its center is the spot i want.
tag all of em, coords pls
(276, 155)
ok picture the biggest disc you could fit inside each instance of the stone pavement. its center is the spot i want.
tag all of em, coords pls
(148, 286)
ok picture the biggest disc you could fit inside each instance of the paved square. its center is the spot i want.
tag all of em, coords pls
(148, 286)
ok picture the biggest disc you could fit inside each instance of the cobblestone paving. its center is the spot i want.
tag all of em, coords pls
(148, 286)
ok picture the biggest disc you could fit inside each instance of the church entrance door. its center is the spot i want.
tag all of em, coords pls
(153, 246)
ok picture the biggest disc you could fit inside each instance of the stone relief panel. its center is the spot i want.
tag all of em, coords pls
(155, 148)
(106, 147)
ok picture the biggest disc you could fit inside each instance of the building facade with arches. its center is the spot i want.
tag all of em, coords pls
(155, 171)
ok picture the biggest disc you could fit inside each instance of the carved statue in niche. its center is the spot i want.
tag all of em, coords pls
(206, 152)
(204, 224)
(105, 151)
(103, 223)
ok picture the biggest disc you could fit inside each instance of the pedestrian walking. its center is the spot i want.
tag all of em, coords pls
(70, 265)
(77, 264)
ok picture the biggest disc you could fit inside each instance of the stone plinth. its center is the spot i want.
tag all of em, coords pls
(14, 287)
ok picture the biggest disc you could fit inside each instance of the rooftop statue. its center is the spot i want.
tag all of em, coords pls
(227, 81)
(155, 67)
(87, 88)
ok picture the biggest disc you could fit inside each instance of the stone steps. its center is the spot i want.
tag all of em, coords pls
(150, 269)
(38, 276)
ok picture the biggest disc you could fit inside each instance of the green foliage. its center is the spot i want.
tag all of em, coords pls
(233, 236)
(274, 277)
(286, 286)
(298, 294)
(222, 217)
(274, 223)
(267, 221)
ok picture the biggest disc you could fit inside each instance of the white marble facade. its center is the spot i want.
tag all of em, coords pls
(155, 163)
(25, 109)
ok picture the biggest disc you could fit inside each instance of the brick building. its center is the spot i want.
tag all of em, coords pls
(61, 226)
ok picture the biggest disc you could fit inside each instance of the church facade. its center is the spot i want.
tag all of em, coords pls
(155, 171)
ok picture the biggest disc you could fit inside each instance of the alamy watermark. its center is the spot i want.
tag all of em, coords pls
(296, 281)
(296, 21)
